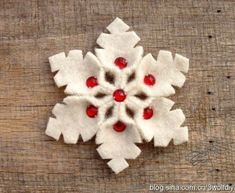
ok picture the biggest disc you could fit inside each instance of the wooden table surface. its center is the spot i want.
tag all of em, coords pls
(33, 30)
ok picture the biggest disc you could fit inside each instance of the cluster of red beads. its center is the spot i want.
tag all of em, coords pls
(119, 95)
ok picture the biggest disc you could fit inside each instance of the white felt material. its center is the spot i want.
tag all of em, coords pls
(181, 63)
(118, 164)
(71, 119)
(167, 72)
(73, 71)
(117, 26)
(118, 41)
(58, 60)
(117, 145)
(164, 125)
(182, 135)
(121, 114)
(108, 56)
(67, 67)
(106, 105)
(135, 103)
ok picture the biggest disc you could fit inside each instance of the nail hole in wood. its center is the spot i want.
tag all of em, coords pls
(210, 36)
(211, 141)
(213, 108)
(228, 77)
(217, 170)
(209, 92)
(218, 11)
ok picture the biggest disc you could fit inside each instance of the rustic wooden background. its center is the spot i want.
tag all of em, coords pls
(33, 30)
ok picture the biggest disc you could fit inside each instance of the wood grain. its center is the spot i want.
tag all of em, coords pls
(33, 30)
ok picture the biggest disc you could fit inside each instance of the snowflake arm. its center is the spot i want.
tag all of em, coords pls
(71, 119)
(117, 146)
(119, 43)
(166, 70)
(73, 71)
(164, 125)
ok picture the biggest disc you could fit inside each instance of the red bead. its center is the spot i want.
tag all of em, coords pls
(119, 126)
(149, 80)
(120, 62)
(119, 95)
(148, 113)
(91, 82)
(91, 111)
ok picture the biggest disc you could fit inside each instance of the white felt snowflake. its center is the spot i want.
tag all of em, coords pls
(118, 95)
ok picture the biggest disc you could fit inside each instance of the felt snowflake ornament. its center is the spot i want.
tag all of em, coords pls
(118, 95)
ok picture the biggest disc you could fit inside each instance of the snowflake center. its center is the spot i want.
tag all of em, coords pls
(120, 62)
(119, 95)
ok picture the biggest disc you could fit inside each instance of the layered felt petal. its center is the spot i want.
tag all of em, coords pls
(73, 71)
(71, 119)
(106, 85)
(118, 40)
(108, 56)
(164, 125)
(135, 103)
(119, 44)
(117, 146)
(166, 72)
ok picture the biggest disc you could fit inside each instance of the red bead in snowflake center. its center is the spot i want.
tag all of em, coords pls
(91, 111)
(119, 126)
(120, 62)
(91, 82)
(148, 113)
(119, 95)
(149, 80)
